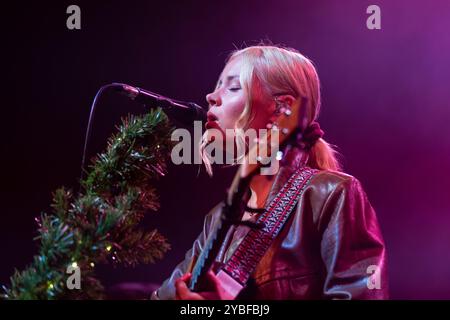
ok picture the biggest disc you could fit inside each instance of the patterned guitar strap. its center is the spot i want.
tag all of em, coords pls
(234, 275)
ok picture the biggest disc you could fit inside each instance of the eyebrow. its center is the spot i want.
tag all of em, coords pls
(229, 78)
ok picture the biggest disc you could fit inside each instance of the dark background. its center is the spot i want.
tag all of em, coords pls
(385, 105)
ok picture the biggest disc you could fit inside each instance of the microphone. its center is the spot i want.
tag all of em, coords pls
(183, 112)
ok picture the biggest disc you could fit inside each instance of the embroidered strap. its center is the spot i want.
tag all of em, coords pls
(255, 244)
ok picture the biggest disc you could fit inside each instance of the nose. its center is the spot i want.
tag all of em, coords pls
(213, 99)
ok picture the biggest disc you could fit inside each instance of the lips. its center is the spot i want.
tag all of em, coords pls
(211, 121)
(212, 125)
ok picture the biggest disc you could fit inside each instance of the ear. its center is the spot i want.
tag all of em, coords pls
(286, 115)
(286, 99)
(283, 102)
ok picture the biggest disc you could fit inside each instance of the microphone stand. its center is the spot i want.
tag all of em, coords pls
(175, 109)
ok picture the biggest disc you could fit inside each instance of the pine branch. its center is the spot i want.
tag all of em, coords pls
(101, 224)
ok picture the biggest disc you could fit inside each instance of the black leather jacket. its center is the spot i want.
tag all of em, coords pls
(328, 248)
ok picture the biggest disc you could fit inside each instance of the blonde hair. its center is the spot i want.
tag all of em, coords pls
(281, 70)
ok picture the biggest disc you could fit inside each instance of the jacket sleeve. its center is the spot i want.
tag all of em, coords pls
(352, 247)
(167, 289)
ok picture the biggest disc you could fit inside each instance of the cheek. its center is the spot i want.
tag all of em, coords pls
(261, 115)
(232, 112)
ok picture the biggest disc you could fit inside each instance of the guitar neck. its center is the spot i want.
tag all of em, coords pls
(231, 213)
(207, 258)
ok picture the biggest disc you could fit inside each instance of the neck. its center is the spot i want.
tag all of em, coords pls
(260, 186)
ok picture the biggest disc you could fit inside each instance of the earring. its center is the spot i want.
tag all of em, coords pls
(272, 125)
(282, 107)
(279, 109)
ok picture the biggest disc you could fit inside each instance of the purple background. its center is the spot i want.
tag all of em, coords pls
(385, 104)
